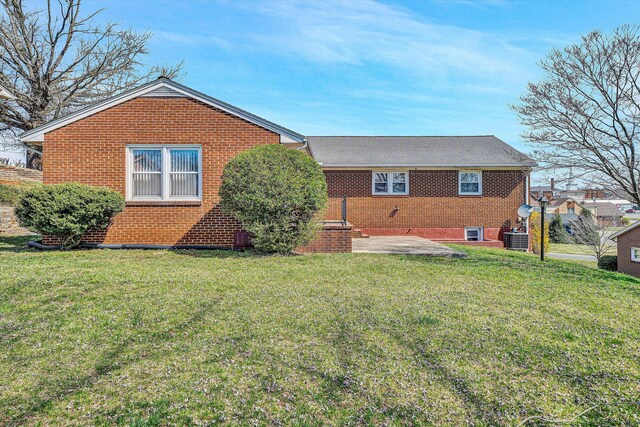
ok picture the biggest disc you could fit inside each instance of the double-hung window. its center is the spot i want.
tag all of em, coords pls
(635, 254)
(390, 183)
(164, 172)
(470, 183)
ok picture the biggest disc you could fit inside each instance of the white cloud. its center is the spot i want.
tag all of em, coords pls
(363, 32)
(191, 39)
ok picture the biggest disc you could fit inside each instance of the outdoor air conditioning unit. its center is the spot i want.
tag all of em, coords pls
(516, 241)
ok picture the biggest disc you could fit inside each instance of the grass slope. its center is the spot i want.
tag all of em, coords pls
(571, 248)
(188, 338)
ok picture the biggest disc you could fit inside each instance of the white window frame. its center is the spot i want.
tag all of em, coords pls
(389, 191)
(634, 258)
(480, 233)
(165, 172)
(479, 192)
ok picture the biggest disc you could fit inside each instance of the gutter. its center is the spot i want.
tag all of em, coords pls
(32, 149)
(416, 165)
(304, 146)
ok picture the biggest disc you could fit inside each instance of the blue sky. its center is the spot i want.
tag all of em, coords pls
(367, 67)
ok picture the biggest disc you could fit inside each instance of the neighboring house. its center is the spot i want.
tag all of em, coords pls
(548, 191)
(621, 204)
(567, 208)
(10, 152)
(604, 211)
(563, 206)
(628, 244)
(5, 94)
(164, 146)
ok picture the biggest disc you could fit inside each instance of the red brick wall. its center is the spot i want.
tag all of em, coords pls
(625, 243)
(333, 238)
(93, 151)
(433, 207)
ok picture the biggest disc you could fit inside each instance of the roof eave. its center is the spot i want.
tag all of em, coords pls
(37, 134)
(406, 165)
(5, 94)
(625, 230)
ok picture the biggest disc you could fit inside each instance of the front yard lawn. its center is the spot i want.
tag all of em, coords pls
(188, 338)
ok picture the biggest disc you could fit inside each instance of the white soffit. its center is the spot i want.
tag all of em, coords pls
(5, 94)
(163, 92)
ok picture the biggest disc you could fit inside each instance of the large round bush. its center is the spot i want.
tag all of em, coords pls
(68, 211)
(276, 193)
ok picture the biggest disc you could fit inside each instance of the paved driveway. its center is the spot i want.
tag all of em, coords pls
(409, 245)
(578, 257)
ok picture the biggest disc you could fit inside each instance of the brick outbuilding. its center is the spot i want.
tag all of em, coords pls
(164, 146)
(628, 240)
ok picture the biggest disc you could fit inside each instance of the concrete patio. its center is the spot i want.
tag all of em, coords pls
(407, 245)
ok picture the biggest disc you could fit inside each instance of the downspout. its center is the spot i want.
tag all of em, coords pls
(304, 146)
(32, 149)
(527, 183)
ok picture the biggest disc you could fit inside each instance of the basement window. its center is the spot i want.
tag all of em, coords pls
(390, 183)
(473, 234)
(470, 183)
(164, 172)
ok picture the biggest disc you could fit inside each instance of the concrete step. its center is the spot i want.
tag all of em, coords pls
(358, 234)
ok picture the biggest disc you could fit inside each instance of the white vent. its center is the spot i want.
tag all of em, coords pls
(164, 91)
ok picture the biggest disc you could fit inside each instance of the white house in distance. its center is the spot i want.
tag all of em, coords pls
(5, 94)
(13, 152)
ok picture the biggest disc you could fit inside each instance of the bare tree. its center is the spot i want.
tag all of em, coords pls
(56, 60)
(584, 115)
(594, 235)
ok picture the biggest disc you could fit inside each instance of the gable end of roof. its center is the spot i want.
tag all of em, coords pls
(625, 230)
(162, 87)
(5, 94)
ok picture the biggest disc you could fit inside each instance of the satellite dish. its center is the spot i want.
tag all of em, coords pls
(525, 210)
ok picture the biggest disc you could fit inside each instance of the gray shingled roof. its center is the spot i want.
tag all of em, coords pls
(436, 151)
(605, 209)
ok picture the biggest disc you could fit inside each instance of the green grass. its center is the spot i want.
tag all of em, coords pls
(571, 248)
(150, 338)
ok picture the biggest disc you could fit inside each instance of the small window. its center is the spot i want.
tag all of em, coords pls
(635, 254)
(473, 234)
(469, 183)
(571, 210)
(164, 173)
(390, 183)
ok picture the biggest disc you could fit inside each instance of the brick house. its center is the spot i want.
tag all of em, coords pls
(628, 244)
(5, 94)
(452, 189)
(164, 146)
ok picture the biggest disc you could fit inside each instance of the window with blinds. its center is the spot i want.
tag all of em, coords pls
(164, 172)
